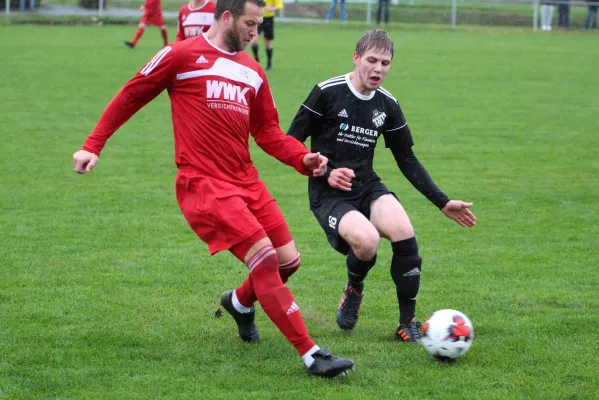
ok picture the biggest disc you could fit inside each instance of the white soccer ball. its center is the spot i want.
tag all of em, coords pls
(447, 334)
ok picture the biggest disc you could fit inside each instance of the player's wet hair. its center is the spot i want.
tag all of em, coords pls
(374, 39)
(236, 7)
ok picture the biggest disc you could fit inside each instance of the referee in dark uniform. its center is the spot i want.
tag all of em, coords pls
(345, 116)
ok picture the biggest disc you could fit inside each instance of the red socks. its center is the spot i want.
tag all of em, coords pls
(140, 31)
(245, 292)
(275, 298)
(288, 269)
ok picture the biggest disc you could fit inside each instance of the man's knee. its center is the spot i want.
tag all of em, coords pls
(391, 219)
(399, 232)
(360, 234)
(365, 244)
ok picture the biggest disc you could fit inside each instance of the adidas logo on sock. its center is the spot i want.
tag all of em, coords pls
(342, 113)
(292, 308)
(412, 272)
(202, 60)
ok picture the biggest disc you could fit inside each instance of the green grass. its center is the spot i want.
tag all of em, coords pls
(106, 293)
(490, 13)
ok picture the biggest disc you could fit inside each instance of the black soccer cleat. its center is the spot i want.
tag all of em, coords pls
(245, 321)
(409, 333)
(349, 306)
(129, 44)
(326, 365)
(268, 66)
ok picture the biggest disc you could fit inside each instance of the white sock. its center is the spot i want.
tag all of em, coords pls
(238, 306)
(308, 359)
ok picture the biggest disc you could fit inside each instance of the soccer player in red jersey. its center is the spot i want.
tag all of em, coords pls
(219, 96)
(152, 16)
(195, 18)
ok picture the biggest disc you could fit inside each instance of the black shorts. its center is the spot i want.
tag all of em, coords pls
(267, 27)
(330, 210)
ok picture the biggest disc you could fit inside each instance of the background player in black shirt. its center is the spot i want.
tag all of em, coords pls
(345, 116)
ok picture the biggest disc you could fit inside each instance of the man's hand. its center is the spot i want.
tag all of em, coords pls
(459, 212)
(316, 163)
(84, 161)
(340, 178)
(142, 8)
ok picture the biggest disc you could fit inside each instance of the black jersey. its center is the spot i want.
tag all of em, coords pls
(345, 126)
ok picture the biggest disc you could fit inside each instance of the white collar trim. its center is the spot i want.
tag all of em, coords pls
(355, 91)
(217, 48)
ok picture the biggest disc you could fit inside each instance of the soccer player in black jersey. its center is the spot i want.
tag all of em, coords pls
(345, 116)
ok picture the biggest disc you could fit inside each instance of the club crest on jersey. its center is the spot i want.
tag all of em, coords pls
(244, 74)
(378, 118)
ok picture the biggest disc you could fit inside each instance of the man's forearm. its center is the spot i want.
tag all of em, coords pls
(419, 177)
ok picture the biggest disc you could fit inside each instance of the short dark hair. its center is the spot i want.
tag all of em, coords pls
(374, 39)
(236, 7)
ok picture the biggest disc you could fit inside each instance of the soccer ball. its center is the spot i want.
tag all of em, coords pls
(447, 334)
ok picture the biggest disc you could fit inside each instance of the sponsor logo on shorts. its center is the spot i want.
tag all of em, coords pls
(332, 222)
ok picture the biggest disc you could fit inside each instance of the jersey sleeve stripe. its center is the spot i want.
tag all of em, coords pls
(394, 129)
(155, 60)
(386, 93)
(308, 108)
(335, 79)
(382, 89)
(333, 84)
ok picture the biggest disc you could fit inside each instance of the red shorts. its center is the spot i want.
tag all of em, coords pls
(223, 215)
(152, 18)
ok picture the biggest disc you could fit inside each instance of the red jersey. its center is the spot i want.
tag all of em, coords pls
(152, 6)
(194, 21)
(217, 99)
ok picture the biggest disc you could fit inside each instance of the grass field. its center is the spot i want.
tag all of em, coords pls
(106, 293)
(506, 13)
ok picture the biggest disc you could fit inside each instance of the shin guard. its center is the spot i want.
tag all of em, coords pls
(405, 270)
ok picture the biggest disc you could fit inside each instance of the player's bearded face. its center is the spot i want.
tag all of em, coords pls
(372, 68)
(244, 28)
